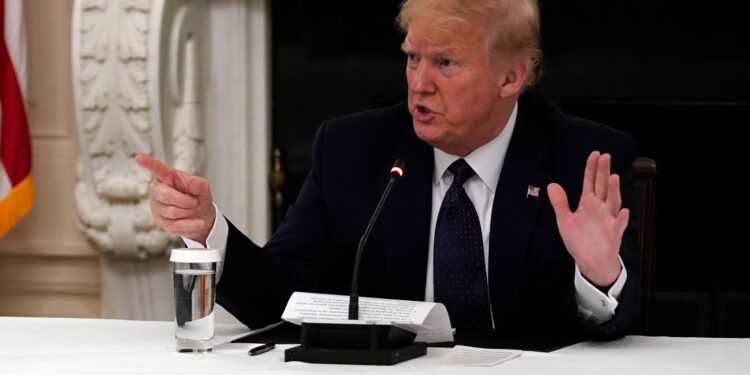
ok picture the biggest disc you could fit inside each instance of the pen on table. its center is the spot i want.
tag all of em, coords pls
(261, 349)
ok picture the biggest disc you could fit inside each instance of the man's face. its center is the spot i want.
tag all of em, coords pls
(454, 95)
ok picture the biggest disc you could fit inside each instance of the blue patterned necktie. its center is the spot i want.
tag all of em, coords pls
(459, 273)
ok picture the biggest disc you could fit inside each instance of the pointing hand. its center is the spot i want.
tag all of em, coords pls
(180, 202)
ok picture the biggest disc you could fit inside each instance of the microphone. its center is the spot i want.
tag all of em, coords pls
(397, 171)
(352, 341)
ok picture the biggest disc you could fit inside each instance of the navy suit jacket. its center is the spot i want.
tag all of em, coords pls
(530, 271)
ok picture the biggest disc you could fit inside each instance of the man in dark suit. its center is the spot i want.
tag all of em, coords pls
(470, 224)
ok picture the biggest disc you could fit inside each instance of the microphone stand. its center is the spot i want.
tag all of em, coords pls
(355, 341)
(396, 172)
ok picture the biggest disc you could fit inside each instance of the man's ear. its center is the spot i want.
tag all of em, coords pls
(512, 76)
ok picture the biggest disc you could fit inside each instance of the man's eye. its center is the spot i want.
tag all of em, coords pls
(412, 60)
(449, 67)
(447, 63)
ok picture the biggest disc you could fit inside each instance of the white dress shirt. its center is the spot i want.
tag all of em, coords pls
(487, 161)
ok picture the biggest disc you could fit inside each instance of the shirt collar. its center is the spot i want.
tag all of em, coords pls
(487, 160)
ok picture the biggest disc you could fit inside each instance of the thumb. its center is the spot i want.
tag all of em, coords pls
(197, 186)
(559, 200)
(180, 182)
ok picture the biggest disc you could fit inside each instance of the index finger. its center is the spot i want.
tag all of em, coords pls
(162, 171)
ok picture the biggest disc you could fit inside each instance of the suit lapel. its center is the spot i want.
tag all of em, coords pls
(513, 212)
(406, 218)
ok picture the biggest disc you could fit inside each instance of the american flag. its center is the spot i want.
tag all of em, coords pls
(16, 183)
(532, 191)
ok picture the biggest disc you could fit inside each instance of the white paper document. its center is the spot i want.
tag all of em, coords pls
(470, 356)
(428, 320)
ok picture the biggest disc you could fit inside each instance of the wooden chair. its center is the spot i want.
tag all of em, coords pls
(645, 211)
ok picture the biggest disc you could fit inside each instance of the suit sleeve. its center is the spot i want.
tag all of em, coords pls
(257, 282)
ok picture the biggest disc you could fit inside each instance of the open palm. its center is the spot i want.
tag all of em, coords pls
(593, 233)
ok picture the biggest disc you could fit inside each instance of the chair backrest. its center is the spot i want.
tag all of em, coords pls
(645, 211)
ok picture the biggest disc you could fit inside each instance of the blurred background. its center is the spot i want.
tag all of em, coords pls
(673, 74)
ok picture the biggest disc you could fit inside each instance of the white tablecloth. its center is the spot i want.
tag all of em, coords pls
(91, 346)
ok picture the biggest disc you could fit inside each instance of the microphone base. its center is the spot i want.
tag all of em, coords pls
(355, 344)
(382, 357)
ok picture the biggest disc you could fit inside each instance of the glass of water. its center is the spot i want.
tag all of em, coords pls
(194, 297)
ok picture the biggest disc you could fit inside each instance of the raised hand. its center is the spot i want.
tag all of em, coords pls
(593, 233)
(180, 202)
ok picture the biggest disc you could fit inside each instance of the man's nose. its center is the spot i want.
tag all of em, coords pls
(422, 80)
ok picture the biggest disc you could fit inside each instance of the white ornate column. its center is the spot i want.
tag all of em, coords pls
(238, 136)
(163, 77)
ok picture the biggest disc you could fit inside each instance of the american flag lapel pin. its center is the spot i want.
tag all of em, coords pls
(532, 191)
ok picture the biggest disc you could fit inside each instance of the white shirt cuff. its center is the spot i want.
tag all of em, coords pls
(593, 305)
(217, 239)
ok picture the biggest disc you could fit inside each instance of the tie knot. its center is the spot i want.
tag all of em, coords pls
(461, 171)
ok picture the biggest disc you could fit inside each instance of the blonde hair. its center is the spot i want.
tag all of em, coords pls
(513, 24)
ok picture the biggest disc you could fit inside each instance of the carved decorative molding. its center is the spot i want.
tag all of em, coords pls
(126, 55)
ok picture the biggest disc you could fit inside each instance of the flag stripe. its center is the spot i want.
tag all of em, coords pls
(15, 145)
(16, 204)
(15, 40)
(16, 183)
